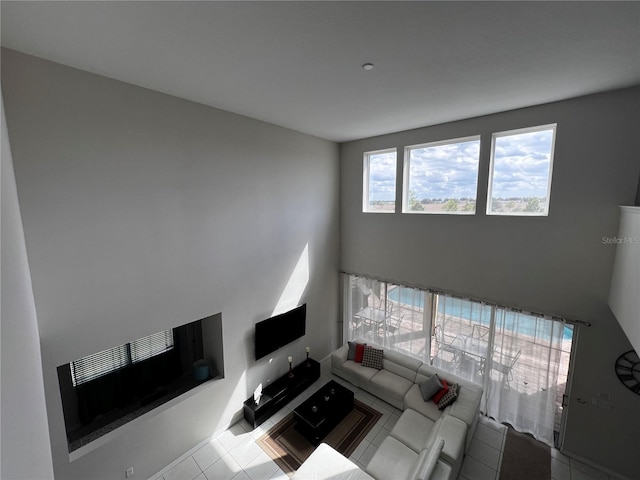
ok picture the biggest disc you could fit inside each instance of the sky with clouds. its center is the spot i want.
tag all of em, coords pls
(445, 171)
(521, 169)
(521, 165)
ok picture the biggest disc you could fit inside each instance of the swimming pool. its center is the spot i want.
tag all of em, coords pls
(477, 313)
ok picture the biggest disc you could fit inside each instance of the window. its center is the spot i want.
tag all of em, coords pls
(442, 177)
(107, 361)
(379, 189)
(520, 174)
(152, 345)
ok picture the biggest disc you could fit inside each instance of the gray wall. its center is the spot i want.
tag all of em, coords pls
(556, 264)
(142, 212)
(25, 450)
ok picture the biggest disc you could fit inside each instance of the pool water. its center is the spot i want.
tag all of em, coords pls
(477, 313)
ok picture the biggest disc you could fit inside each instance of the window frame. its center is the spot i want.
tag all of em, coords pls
(407, 174)
(366, 172)
(538, 128)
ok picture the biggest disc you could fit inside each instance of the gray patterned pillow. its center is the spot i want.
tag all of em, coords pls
(372, 357)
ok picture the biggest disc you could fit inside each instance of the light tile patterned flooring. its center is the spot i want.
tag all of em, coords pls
(235, 455)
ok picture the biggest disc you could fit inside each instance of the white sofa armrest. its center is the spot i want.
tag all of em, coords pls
(339, 356)
(428, 461)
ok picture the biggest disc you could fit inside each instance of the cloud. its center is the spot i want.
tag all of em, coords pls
(520, 169)
(521, 165)
(445, 171)
(382, 176)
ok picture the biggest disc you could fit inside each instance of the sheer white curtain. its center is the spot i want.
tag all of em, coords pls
(525, 376)
(408, 326)
(521, 359)
(386, 314)
(461, 336)
(365, 309)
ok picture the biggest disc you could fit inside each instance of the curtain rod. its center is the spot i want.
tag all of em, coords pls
(457, 295)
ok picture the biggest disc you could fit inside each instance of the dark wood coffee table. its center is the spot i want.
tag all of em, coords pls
(322, 411)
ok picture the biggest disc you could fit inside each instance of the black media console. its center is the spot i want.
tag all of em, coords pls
(281, 392)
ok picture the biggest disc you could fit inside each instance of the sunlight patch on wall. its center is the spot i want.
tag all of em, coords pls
(296, 285)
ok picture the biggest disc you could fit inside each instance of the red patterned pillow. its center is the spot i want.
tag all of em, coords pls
(359, 352)
(438, 396)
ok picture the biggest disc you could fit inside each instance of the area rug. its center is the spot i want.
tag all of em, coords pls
(525, 458)
(289, 449)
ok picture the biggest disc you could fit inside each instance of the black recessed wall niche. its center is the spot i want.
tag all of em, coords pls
(98, 406)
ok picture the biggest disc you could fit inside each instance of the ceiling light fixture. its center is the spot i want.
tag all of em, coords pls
(367, 66)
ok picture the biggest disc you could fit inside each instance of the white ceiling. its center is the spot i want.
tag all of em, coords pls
(298, 64)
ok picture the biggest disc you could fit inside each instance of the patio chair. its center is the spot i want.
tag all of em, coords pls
(480, 332)
(447, 344)
(505, 367)
(392, 326)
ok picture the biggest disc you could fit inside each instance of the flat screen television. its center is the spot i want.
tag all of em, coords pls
(280, 330)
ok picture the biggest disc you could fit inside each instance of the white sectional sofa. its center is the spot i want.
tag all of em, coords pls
(426, 443)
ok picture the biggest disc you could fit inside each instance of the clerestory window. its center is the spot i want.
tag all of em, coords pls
(442, 177)
(379, 181)
(520, 172)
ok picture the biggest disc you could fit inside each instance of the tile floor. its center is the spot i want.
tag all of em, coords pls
(234, 454)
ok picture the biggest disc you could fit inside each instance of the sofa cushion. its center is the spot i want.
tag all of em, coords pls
(413, 399)
(430, 387)
(414, 430)
(467, 404)
(364, 373)
(392, 460)
(393, 387)
(454, 433)
(325, 463)
(372, 357)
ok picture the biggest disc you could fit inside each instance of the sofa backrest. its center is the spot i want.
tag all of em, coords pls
(401, 364)
(426, 371)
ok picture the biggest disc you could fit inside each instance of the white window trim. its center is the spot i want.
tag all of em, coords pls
(407, 174)
(494, 137)
(365, 179)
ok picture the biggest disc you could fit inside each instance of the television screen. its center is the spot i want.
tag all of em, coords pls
(276, 332)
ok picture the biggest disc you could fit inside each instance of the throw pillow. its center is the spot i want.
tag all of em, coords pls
(430, 387)
(449, 397)
(351, 355)
(359, 352)
(438, 396)
(372, 357)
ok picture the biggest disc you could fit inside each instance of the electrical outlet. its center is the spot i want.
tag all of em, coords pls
(129, 472)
